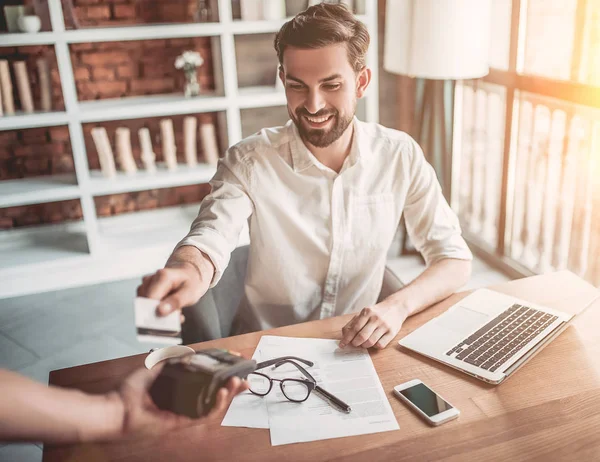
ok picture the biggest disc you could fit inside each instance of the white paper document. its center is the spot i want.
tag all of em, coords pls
(246, 409)
(347, 373)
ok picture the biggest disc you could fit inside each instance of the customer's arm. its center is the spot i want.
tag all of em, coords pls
(201, 257)
(30, 411)
(435, 231)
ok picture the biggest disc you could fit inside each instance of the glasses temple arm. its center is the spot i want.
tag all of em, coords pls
(269, 362)
(300, 368)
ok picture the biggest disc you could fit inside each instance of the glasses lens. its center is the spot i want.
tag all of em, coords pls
(295, 390)
(259, 384)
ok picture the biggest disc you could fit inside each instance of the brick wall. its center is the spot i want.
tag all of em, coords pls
(91, 13)
(38, 214)
(120, 69)
(35, 152)
(145, 200)
(152, 123)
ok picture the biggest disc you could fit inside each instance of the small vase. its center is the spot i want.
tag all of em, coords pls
(192, 87)
(29, 23)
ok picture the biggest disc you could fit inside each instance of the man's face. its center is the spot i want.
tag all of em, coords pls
(322, 90)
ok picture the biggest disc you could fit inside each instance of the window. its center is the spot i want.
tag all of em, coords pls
(526, 154)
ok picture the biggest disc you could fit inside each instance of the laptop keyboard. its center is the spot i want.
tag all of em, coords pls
(503, 337)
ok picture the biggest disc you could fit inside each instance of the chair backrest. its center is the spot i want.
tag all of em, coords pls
(212, 317)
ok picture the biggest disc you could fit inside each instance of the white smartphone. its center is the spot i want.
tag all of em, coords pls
(434, 409)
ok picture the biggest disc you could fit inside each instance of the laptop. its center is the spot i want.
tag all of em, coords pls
(488, 335)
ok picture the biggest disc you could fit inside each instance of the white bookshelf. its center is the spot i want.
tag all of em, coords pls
(141, 32)
(142, 180)
(136, 107)
(146, 32)
(37, 190)
(38, 119)
(17, 40)
(27, 250)
(145, 230)
(97, 249)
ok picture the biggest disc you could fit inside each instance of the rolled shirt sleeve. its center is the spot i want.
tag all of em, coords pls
(223, 212)
(433, 227)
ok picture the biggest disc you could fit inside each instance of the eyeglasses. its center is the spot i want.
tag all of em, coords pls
(295, 390)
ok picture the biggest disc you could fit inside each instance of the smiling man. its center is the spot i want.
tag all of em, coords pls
(323, 196)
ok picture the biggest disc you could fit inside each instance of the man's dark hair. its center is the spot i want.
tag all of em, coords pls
(322, 25)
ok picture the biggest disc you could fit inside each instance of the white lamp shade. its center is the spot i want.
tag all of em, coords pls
(438, 39)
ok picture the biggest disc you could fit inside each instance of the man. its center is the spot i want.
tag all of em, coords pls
(30, 411)
(323, 197)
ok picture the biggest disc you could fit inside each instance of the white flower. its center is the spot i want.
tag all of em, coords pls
(189, 59)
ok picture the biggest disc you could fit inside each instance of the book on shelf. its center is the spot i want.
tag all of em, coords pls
(124, 154)
(105, 154)
(169, 148)
(45, 87)
(23, 86)
(7, 88)
(208, 136)
(189, 137)
(148, 156)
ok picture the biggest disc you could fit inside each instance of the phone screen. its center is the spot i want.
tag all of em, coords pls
(425, 399)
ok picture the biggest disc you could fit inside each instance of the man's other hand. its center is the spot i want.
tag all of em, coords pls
(374, 326)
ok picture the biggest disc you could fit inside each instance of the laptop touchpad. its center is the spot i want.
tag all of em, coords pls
(461, 319)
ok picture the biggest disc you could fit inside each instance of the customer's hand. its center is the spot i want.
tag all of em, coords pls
(374, 326)
(141, 417)
(177, 286)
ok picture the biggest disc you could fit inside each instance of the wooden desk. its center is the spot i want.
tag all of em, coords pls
(549, 410)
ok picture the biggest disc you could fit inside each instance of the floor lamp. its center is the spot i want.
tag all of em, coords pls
(437, 41)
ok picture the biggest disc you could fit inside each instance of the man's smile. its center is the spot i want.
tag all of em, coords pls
(318, 122)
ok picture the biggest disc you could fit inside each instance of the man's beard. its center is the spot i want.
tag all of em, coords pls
(318, 137)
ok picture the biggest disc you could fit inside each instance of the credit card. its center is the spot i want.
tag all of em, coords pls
(153, 328)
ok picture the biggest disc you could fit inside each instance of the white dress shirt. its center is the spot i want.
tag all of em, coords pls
(318, 239)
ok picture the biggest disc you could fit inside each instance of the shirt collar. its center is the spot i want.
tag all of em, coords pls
(302, 158)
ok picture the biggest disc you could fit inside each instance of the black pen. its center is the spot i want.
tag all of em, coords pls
(333, 400)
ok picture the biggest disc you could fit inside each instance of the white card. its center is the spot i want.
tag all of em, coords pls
(153, 328)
